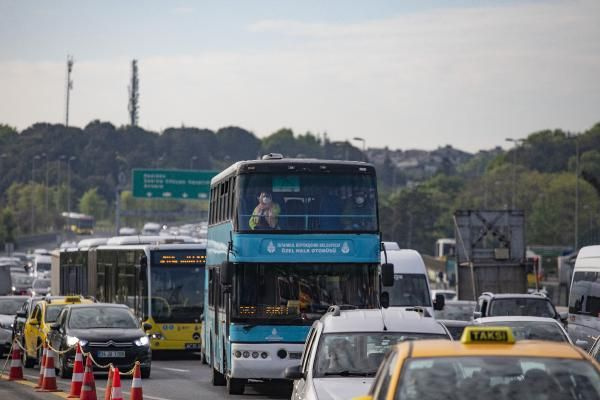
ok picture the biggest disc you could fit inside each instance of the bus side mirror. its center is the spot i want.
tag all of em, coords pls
(387, 274)
(384, 300)
(227, 273)
(439, 302)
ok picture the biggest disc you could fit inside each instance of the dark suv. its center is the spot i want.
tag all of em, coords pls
(515, 304)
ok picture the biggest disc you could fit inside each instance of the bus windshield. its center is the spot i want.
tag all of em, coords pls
(307, 202)
(300, 292)
(177, 286)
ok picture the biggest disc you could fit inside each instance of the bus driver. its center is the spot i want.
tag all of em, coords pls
(266, 213)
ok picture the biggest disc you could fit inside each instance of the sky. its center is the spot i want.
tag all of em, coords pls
(403, 74)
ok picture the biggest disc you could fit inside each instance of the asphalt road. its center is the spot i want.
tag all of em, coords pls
(173, 378)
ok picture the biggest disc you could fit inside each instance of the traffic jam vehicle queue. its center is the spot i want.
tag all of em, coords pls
(488, 363)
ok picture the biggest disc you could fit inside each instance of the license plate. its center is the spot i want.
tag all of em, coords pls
(111, 354)
(192, 346)
(295, 355)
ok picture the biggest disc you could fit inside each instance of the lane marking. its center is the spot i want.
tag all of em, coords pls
(175, 369)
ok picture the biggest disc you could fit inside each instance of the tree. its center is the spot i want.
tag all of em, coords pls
(92, 203)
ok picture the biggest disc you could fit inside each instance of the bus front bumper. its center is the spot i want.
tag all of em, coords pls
(264, 360)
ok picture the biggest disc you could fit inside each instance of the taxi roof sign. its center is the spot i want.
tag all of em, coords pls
(73, 299)
(487, 335)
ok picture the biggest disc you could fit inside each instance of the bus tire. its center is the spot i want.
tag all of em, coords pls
(218, 379)
(236, 385)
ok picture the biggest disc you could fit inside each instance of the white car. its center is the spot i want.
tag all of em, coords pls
(344, 348)
(529, 328)
(449, 295)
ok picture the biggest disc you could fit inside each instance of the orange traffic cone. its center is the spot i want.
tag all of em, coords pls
(116, 392)
(108, 391)
(16, 366)
(77, 378)
(44, 354)
(136, 384)
(49, 382)
(88, 388)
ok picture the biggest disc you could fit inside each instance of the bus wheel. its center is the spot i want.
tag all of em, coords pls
(236, 385)
(218, 379)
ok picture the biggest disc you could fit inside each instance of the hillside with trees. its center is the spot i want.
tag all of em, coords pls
(47, 169)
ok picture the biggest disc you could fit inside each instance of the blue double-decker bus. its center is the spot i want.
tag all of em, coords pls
(287, 238)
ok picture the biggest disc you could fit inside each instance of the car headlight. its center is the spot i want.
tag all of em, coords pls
(72, 340)
(14, 289)
(143, 341)
(33, 292)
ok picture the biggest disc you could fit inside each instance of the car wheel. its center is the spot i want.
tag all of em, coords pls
(235, 385)
(64, 371)
(27, 362)
(146, 373)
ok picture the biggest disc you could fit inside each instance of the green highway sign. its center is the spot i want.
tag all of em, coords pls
(171, 183)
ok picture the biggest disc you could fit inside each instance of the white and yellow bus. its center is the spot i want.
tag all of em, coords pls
(163, 284)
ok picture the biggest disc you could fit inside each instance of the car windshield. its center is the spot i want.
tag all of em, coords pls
(462, 311)
(521, 306)
(177, 284)
(409, 290)
(43, 267)
(102, 317)
(280, 293)
(358, 354)
(52, 312)
(307, 202)
(498, 378)
(9, 306)
(533, 330)
(41, 284)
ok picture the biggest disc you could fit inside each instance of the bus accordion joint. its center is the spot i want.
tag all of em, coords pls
(487, 335)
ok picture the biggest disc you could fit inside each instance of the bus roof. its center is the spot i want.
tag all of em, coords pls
(282, 165)
(141, 239)
(91, 242)
(152, 247)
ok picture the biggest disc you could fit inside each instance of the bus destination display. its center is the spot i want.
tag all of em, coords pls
(178, 258)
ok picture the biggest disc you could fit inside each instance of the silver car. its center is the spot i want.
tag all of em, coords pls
(345, 347)
(529, 328)
(8, 309)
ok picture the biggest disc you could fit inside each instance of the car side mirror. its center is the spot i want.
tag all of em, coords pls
(439, 302)
(384, 300)
(387, 275)
(564, 316)
(476, 314)
(146, 326)
(55, 327)
(34, 322)
(294, 372)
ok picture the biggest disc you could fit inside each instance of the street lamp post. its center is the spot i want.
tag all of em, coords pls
(36, 157)
(72, 158)
(58, 182)
(192, 160)
(514, 171)
(364, 143)
(46, 181)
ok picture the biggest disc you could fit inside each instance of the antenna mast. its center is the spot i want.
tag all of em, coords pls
(134, 94)
(69, 87)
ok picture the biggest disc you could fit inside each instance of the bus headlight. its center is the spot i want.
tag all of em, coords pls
(143, 341)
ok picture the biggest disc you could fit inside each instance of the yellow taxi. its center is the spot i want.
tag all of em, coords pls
(38, 325)
(487, 363)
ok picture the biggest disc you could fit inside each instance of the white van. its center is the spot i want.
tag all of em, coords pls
(42, 266)
(410, 286)
(584, 298)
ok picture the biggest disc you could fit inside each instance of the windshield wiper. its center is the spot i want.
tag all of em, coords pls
(349, 373)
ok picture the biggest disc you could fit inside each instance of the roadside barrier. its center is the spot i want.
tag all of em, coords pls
(44, 355)
(108, 391)
(88, 388)
(16, 365)
(136, 384)
(49, 381)
(77, 378)
(116, 392)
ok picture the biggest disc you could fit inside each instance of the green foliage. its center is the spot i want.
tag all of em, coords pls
(92, 203)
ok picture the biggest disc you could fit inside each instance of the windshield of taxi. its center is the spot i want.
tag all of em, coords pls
(498, 378)
(52, 312)
(409, 290)
(358, 354)
(533, 330)
(521, 306)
